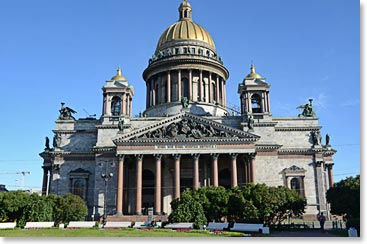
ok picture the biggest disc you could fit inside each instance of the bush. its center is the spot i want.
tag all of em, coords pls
(187, 209)
(24, 207)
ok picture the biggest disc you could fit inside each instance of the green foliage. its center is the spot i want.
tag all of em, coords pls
(188, 209)
(37, 209)
(12, 205)
(74, 208)
(274, 204)
(239, 208)
(24, 207)
(251, 203)
(344, 197)
(215, 202)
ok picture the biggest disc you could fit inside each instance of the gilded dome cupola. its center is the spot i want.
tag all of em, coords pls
(185, 64)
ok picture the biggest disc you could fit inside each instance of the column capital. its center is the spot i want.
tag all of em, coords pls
(233, 155)
(139, 156)
(252, 156)
(157, 156)
(318, 163)
(121, 156)
(214, 155)
(329, 166)
(195, 156)
(176, 156)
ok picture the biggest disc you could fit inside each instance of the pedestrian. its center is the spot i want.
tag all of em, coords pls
(322, 221)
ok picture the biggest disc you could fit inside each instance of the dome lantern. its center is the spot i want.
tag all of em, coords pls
(185, 11)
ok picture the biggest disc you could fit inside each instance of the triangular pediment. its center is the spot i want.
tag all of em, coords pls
(186, 127)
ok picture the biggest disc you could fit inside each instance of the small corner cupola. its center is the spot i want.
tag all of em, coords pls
(118, 76)
(254, 94)
(185, 11)
(117, 98)
(253, 74)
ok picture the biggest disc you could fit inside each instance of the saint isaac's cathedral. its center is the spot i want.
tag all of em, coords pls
(186, 138)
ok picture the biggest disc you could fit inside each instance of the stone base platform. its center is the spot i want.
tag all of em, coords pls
(136, 218)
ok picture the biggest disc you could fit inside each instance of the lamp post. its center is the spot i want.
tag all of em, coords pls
(106, 178)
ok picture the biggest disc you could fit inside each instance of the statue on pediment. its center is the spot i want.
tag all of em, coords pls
(47, 144)
(66, 113)
(56, 141)
(250, 122)
(327, 140)
(121, 124)
(184, 102)
(316, 138)
(308, 110)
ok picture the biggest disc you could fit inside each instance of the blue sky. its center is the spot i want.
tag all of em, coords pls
(64, 51)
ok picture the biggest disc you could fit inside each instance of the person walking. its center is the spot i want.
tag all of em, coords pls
(322, 221)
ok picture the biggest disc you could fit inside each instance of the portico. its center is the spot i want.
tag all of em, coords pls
(194, 151)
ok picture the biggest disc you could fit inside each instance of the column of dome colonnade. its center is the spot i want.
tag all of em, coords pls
(197, 85)
(249, 176)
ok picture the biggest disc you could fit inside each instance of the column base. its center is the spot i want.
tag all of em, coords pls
(119, 214)
(138, 213)
(157, 213)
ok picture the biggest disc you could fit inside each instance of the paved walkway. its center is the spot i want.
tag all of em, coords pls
(310, 233)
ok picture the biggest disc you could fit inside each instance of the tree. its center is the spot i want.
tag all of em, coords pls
(214, 201)
(239, 208)
(344, 197)
(187, 209)
(24, 207)
(37, 209)
(74, 208)
(273, 204)
(12, 205)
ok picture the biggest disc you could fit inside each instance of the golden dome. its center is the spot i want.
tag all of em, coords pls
(185, 29)
(118, 76)
(253, 74)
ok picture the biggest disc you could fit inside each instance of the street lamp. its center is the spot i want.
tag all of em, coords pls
(106, 178)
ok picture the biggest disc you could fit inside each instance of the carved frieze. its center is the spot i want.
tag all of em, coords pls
(186, 128)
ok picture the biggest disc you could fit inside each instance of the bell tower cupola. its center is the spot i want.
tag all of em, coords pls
(117, 98)
(254, 95)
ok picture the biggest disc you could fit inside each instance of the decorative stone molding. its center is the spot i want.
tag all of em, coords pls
(267, 147)
(104, 149)
(308, 128)
(262, 124)
(294, 170)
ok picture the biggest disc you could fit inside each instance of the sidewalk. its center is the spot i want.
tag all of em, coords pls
(306, 233)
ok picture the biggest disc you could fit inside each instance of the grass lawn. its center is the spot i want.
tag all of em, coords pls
(95, 232)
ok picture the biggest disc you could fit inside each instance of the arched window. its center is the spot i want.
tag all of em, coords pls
(256, 103)
(116, 106)
(185, 87)
(295, 185)
(79, 187)
(185, 14)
